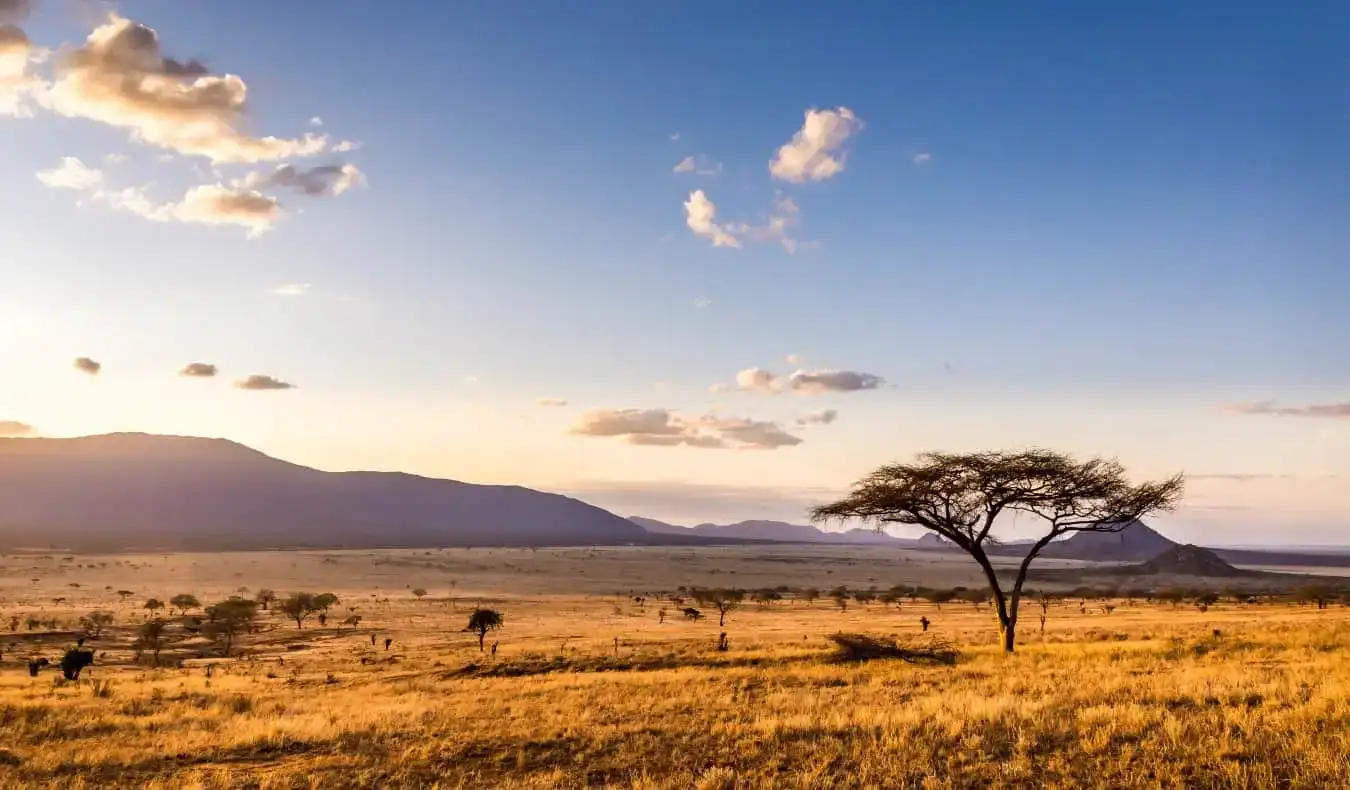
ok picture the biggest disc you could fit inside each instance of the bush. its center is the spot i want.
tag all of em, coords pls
(861, 647)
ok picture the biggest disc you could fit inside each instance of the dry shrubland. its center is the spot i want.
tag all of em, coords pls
(591, 689)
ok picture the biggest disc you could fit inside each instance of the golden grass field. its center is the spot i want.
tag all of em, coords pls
(1146, 696)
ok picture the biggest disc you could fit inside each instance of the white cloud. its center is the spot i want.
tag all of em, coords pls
(755, 380)
(702, 302)
(316, 121)
(794, 359)
(71, 174)
(260, 383)
(550, 401)
(700, 165)
(814, 152)
(664, 428)
(923, 157)
(674, 137)
(701, 217)
(324, 180)
(782, 218)
(346, 146)
(292, 289)
(121, 78)
(818, 418)
(211, 204)
(115, 159)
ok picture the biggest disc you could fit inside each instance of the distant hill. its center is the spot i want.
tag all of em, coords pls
(1187, 560)
(123, 491)
(1137, 542)
(779, 531)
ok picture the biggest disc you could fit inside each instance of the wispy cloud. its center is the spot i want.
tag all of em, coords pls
(551, 401)
(778, 228)
(198, 370)
(702, 302)
(72, 174)
(292, 289)
(699, 165)
(701, 217)
(815, 152)
(1326, 411)
(120, 77)
(665, 428)
(818, 418)
(923, 158)
(16, 428)
(259, 382)
(87, 365)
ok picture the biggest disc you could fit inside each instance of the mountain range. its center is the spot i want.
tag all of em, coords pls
(776, 531)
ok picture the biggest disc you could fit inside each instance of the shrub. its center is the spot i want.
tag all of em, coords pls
(862, 647)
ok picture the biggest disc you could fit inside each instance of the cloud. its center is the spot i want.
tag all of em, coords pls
(211, 204)
(817, 382)
(257, 382)
(346, 146)
(819, 418)
(324, 180)
(782, 218)
(121, 78)
(18, 87)
(802, 382)
(15, 428)
(701, 215)
(15, 10)
(674, 136)
(550, 401)
(292, 289)
(87, 365)
(316, 121)
(811, 153)
(702, 302)
(793, 359)
(923, 158)
(756, 380)
(699, 165)
(1326, 411)
(198, 370)
(664, 428)
(72, 174)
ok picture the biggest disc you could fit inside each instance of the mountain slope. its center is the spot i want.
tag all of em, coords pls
(779, 531)
(1137, 542)
(1187, 560)
(135, 490)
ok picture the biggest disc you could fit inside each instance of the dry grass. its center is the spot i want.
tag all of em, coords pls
(1147, 696)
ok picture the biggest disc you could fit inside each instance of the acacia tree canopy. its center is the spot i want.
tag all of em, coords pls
(961, 497)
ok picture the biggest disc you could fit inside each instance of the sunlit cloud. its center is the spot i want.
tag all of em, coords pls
(818, 418)
(324, 180)
(292, 289)
(121, 78)
(87, 365)
(16, 428)
(815, 152)
(259, 382)
(802, 382)
(19, 87)
(778, 228)
(664, 428)
(551, 401)
(701, 217)
(198, 370)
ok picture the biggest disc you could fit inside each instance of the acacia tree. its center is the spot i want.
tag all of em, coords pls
(151, 636)
(961, 497)
(183, 602)
(482, 621)
(298, 606)
(230, 618)
(265, 597)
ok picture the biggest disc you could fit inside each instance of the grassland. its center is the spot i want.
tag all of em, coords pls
(588, 688)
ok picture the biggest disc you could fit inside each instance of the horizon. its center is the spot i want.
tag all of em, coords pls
(690, 271)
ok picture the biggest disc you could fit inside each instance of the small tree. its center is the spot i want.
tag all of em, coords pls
(298, 606)
(419, 592)
(961, 497)
(811, 595)
(326, 601)
(723, 600)
(840, 597)
(265, 597)
(152, 636)
(183, 602)
(125, 594)
(228, 619)
(94, 623)
(154, 605)
(482, 621)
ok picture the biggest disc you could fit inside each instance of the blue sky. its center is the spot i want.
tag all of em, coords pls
(1096, 229)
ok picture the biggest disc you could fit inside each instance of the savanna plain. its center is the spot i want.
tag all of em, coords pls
(597, 677)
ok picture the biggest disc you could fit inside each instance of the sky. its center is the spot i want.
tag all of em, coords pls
(695, 261)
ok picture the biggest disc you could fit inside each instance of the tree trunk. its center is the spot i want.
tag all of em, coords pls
(481, 636)
(721, 617)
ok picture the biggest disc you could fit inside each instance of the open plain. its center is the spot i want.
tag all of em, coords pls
(584, 685)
